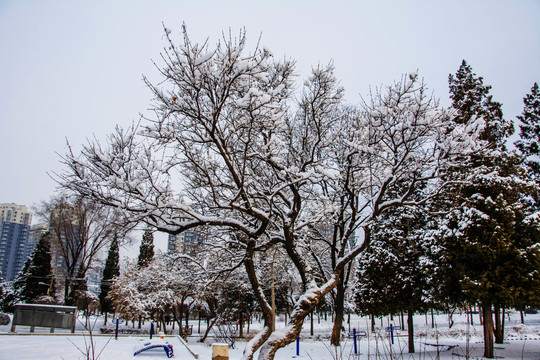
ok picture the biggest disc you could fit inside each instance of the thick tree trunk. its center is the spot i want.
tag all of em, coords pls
(301, 309)
(178, 316)
(488, 330)
(282, 338)
(338, 309)
(410, 329)
(306, 303)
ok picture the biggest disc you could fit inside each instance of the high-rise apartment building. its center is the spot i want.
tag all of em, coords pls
(186, 242)
(36, 232)
(15, 221)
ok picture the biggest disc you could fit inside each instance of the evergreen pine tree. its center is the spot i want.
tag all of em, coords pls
(146, 250)
(529, 147)
(528, 144)
(480, 237)
(35, 279)
(393, 273)
(111, 270)
(471, 98)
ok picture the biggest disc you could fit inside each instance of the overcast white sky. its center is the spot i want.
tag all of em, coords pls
(72, 69)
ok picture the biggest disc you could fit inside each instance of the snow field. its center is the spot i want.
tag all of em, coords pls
(521, 342)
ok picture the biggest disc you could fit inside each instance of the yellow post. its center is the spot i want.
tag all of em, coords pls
(220, 351)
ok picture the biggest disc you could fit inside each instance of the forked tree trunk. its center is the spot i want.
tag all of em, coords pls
(277, 340)
(488, 330)
(268, 341)
(302, 308)
(410, 329)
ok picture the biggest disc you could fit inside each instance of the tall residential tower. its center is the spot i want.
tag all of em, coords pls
(15, 221)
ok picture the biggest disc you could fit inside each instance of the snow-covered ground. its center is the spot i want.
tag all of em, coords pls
(521, 342)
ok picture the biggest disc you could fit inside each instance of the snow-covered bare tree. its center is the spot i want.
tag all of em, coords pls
(158, 289)
(231, 147)
(79, 230)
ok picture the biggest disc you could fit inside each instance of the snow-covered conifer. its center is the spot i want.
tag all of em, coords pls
(393, 274)
(146, 250)
(35, 279)
(111, 270)
(488, 204)
(528, 144)
(471, 98)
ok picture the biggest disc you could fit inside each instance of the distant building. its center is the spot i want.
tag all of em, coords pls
(175, 243)
(93, 278)
(36, 232)
(15, 221)
(187, 242)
